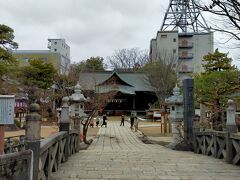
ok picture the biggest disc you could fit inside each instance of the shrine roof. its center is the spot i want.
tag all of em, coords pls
(130, 81)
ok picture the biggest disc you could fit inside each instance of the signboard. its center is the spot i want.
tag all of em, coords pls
(7, 103)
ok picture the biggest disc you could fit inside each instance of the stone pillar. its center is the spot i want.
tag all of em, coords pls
(33, 136)
(64, 124)
(64, 119)
(189, 110)
(231, 124)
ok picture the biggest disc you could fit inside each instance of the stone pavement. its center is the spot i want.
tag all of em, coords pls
(117, 153)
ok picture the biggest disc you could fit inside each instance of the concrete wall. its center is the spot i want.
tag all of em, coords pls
(16, 166)
(153, 49)
(167, 44)
(203, 44)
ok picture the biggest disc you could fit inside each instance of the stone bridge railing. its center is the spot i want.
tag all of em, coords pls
(38, 158)
(221, 145)
(55, 150)
(16, 166)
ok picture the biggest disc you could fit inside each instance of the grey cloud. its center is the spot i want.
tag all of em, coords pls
(90, 27)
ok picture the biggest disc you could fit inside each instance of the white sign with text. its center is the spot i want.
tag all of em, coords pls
(7, 103)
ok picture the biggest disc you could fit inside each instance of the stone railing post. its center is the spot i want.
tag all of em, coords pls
(64, 119)
(229, 150)
(231, 124)
(64, 124)
(33, 136)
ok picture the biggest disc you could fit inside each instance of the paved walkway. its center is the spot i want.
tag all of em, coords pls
(117, 153)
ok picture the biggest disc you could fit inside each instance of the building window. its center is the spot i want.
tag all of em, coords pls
(184, 42)
(174, 51)
(163, 36)
(55, 43)
(55, 50)
(174, 40)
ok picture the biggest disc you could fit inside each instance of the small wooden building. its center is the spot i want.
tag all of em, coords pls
(132, 90)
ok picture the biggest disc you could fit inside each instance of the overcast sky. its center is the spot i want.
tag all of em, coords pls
(90, 27)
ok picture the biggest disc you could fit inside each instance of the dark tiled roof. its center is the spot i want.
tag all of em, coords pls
(139, 81)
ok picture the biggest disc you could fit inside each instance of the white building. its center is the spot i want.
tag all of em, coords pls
(60, 46)
(184, 38)
(186, 49)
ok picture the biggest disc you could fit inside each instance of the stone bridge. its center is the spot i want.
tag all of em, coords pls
(118, 153)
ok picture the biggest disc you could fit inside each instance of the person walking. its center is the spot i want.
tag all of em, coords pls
(97, 121)
(104, 120)
(132, 117)
(136, 121)
(122, 120)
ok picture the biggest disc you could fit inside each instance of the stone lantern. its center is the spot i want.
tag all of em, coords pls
(176, 115)
(77, 100)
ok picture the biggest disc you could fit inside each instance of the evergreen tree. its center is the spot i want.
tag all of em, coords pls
(37, 78)
(39, 73)
(6, 45)
(91, 64)
(217, 61)
(213, 87)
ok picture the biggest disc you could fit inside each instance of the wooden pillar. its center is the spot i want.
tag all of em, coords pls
(134, 102)
(2, 128)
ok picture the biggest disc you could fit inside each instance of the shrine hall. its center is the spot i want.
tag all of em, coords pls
(132, 90)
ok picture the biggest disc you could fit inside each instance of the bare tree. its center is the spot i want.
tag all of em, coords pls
(133, 58)
(95, 101)
(228, 12)
(162, 74)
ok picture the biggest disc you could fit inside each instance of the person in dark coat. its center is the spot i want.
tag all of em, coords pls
(132, 117)
(122, 120)
(104, 120)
